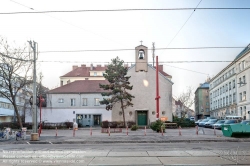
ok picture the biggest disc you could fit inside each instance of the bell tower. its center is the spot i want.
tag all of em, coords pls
(141, 58)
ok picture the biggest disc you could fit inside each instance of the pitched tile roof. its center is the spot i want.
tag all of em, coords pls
(160, 68)
(83, 71)
(81, 86)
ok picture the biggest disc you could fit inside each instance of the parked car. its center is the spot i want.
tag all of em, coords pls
(245, 122)
(197, 122)
(202, 123)
(191, 118)
(218, 124)
(210, 122)
(232, 121)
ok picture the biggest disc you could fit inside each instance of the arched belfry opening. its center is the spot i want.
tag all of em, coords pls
(141, 54)
(141, 58)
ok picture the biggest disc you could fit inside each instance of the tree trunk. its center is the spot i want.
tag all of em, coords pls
(19, 120)
(123, 114)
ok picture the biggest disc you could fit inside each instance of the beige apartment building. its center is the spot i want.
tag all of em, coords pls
(230, 90)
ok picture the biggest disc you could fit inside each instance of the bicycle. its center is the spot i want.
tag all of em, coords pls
(3, 134)
(19, 135)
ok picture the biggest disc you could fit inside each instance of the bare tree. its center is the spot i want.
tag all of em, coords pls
(15, 75)
(187, 100)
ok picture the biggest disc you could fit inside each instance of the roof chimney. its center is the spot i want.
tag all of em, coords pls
(99, 66)
(91, 66)
(74, 67)
(83, 65)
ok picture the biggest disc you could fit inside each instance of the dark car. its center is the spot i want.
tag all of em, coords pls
(232, 121)
(245, 122)
(202, 123)
(210, 122)
(218, 124)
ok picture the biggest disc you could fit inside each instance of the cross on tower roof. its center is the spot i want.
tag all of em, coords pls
(141, 42)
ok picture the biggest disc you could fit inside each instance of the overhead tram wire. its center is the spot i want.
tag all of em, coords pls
(76, 26)
(187, 70)
(183, 25)
(132, 49)
(123, 10)
(162, 62)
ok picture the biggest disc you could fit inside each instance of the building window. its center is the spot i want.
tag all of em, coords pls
(60, 100)
(243, 65)
(226, 87)
(244, 79)
(230, 99)
(72, 102)
(244, 96)
(95, 74)
(84, 101)
(229, 85)
(227, 100)
(223, 101)
(234, 97)
(240, 97)
(240, 111)
(97, 101)
(233, 83)
(68, 81)
(61, 83)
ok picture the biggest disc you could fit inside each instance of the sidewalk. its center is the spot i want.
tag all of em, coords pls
(83, 136)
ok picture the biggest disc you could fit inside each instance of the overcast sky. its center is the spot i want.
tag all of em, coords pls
(125, 30)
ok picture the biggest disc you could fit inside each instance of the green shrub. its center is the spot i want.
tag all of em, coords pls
(157, 126)
(134, 127)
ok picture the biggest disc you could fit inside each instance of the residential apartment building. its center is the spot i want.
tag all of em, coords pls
(229, 89)
(7, 113)
(77, 101)
(202, 105)
(83, 73)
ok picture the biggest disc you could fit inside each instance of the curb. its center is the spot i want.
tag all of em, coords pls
(137, 142)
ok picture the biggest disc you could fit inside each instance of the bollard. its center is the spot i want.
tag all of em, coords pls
(56, 131)
(145, 131)
(109, 131)
(196, 130)
(179, 130)
(39, 131)
(214, 131)
(127, 130)
(74, 132)
(90, 131)
(161, 131)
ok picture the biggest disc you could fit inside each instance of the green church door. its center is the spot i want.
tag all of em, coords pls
(142, 118)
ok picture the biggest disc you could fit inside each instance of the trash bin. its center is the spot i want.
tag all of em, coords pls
(246, 129)
(232, 130)
(75, 126)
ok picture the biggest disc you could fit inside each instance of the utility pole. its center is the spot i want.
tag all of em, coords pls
(153, 53)
(34, 109)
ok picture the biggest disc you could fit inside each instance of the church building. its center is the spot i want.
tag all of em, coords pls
(143, 79)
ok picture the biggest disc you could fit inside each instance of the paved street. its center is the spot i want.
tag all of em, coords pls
(210, 153)
(120, 149)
